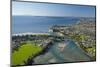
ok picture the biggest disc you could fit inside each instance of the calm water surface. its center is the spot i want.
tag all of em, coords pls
(38, 24)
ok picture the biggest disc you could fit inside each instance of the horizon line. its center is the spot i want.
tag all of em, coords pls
(54, 16)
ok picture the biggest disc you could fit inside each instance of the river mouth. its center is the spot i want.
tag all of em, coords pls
(61, 52)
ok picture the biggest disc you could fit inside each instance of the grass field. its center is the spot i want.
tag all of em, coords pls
(24, 52)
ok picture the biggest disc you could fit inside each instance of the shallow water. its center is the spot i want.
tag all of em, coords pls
(70, 53)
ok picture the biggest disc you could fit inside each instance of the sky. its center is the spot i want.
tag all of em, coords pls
(50, 9)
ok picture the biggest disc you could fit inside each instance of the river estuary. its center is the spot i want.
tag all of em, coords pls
(64, 51)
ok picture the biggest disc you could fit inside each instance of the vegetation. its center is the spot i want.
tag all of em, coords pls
(25, 48)
(82, 33)
(24, 52)
(83, 39)
(78, 37)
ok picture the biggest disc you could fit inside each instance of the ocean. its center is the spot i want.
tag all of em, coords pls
(38, 24)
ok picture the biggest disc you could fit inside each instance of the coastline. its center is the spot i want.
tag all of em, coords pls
(78, 45)
(29, 33)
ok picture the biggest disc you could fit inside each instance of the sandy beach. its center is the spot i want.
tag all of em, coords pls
(28, 33)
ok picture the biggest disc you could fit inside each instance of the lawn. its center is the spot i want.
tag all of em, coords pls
(24, 52)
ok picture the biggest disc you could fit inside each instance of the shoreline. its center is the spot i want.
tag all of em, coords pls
(29, 33)
(78, 45)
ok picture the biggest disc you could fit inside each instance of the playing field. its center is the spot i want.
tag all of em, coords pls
(24, 52)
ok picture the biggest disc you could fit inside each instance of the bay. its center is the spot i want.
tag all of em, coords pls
(38, 24)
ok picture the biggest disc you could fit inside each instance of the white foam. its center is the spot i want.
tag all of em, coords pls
(28, 33)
